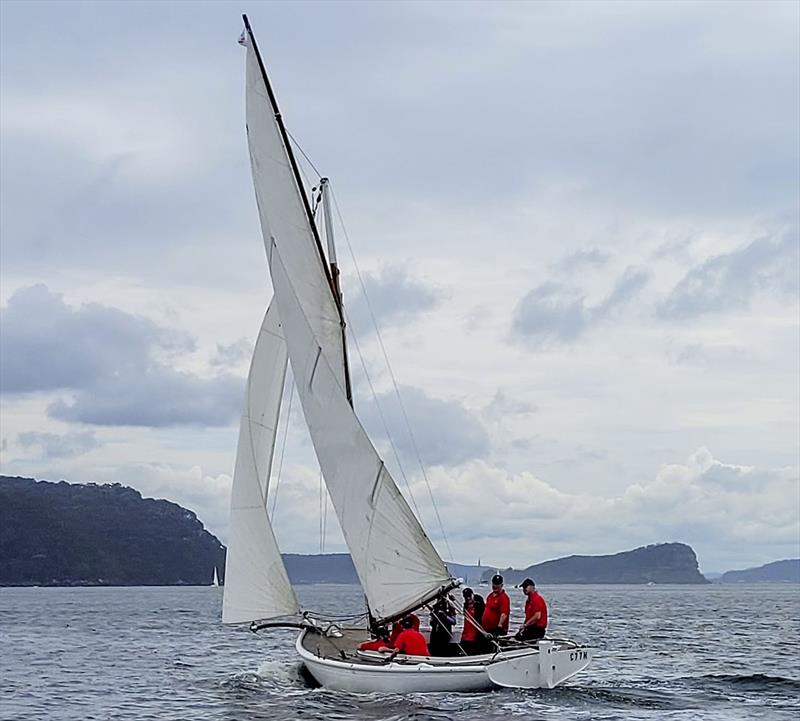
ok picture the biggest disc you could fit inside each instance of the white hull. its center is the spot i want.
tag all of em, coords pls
(544, 667)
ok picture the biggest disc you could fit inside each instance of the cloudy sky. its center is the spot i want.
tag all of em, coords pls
(577, 225)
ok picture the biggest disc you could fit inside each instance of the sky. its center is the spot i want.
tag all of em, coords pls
(576, 224)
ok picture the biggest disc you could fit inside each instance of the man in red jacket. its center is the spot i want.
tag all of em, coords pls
(397, 629)
(535, 613)
(381, 641)
(410, 642)
(470, 632)
(498, 609)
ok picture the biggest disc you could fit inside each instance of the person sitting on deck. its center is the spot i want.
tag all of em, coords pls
(380, 642)
(410, 642)
(397, 629)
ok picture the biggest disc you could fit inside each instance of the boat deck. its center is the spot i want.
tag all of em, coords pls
(340, 649)
(345, 648)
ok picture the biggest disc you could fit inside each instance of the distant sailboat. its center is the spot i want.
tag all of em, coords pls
(215, 580)
(398, 567)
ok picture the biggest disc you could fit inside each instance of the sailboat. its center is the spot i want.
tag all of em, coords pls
(398, 566)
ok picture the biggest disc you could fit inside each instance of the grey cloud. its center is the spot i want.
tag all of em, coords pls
(550, 312)
(626, 287)
(731, 281)
(555, 312)
(592, 258)
(232, 354)
(395, 298)
(445, 432)
(699, 354)
(66, 445)
(157, 396)
(110, 361)
(677, 249)
(732, 147)
(501, 405)
(47, 345)
(738, 478)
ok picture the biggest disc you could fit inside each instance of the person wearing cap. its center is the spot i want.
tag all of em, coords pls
(397, 629)
(410, 641)
(470, 633)
(498, 607)
(535, 613)
(443, 618)
(380, 642)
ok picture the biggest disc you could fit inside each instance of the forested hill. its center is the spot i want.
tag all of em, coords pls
(787, 571)
(658, 563)
(70, 534)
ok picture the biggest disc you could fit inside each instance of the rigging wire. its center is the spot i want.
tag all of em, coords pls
(283, 450)
(391, 374)
(386, 359)
(303, 153)
(317, 197)
(324, 512)
(321, 496)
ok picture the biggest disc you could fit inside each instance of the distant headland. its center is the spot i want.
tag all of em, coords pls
(69, 534)
(786, 571)
(65, 534)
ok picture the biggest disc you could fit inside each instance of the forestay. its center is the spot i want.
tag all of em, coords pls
(256, 583)
(394, 558)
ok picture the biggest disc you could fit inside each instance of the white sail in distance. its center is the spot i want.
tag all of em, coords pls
(395, 560)
(256, 583)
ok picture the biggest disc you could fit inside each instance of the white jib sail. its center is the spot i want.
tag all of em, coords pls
(256, 583)
(395, 560)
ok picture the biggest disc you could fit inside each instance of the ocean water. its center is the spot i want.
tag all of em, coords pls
(663, 652)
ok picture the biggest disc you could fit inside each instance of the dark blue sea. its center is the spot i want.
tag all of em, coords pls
(663, 652)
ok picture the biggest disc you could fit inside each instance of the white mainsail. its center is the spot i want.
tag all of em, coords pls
(395, 560)
(256, 583)
(283, 216)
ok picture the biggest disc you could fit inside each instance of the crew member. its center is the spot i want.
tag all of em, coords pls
(397, 629)
(469, 636)
(443, 618)
(535, 613)
(498, 608)
(380, 642)
(409, 642)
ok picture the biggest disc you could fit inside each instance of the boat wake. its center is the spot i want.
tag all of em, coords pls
(283, 674)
